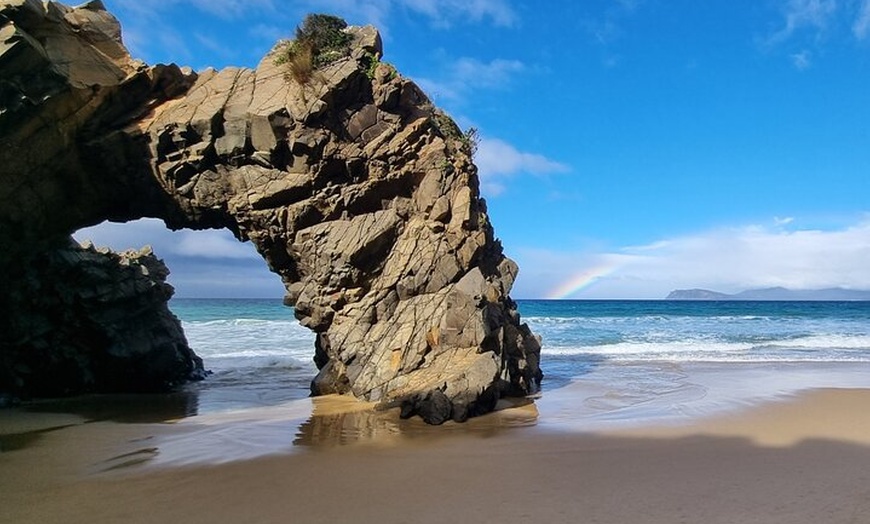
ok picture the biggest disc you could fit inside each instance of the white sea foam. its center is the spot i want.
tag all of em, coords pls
(247, 338)
(638, 350)
(813, 348)
(719, 338)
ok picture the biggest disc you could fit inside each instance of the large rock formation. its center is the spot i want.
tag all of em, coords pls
(356, 190)
(91, 320)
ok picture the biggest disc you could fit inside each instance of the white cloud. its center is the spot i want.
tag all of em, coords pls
(213, 244)
(733, 259)
(861, 27)
(497, 160)
(374, 12)
(727, 260)
(209, 263)
(495, 73)
(604, 32)
(214, 45)
(149, 21)
(804, 14)
(269, 32)
(441, 90)
(606, 28)
(227, 9)
(441, 13)
(131, 235)
(801, 60)
(464, 75)
(810, 23)
(211, 280)
(231, 9)
(145, 30)
(444, 12)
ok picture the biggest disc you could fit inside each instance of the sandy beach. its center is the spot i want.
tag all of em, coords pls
(802, 458)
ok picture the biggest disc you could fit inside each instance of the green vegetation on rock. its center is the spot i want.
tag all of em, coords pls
(373, 62)
(468, 140)
(320, 40)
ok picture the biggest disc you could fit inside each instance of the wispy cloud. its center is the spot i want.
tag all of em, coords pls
(817, 19)
(374, 12)
(209, 263)
(147, 31)
(441, 13)
(214, 45)
(861, 27)
(606, 27)
(446, 12)
(209, 243)
(231, 9)
(812, 15)
(143, 19)
(226, 9)
(806, 27)
(802, 60)
(498, 160)
(494, 73)
(213, 263)
(132, 235)
(212, 244)
(728, 260)
(463, 76)
(142, 8)
(272, 33)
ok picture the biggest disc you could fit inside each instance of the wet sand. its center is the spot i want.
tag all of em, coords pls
(800, 459)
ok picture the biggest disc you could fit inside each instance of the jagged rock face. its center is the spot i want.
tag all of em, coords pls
(355, 189)
(93, 320)
(67, 88)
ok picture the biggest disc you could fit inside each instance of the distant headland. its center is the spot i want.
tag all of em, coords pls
(772, 293)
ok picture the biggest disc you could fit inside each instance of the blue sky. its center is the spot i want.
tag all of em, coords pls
(629, 147)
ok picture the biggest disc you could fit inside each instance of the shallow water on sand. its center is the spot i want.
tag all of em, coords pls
(606, 399)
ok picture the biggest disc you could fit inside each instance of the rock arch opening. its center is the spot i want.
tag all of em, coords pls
(232, 312)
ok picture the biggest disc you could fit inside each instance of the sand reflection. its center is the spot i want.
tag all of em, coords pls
(337, 421)
(313, 424)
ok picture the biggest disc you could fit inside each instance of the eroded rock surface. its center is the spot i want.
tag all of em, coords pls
(86, 320)
(356, 190)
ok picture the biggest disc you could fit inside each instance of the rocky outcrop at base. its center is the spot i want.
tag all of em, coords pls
(358, 192)
(88, 320)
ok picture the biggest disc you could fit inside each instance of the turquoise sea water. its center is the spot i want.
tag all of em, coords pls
(260, 355)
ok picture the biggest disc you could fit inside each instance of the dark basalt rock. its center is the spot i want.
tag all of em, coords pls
(87, 320)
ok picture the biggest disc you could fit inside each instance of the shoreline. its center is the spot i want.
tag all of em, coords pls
(792, 457)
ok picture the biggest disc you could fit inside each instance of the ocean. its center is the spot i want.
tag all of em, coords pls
(631, 359)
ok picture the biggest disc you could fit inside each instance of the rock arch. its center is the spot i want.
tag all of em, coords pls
(356, 190)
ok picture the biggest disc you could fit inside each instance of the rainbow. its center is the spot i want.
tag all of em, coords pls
(581, 280)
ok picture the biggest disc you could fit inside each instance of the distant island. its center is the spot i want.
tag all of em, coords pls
(772, 293)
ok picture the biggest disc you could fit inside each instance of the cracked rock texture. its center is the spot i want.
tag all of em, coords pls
(92, 320)
(357, 191)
